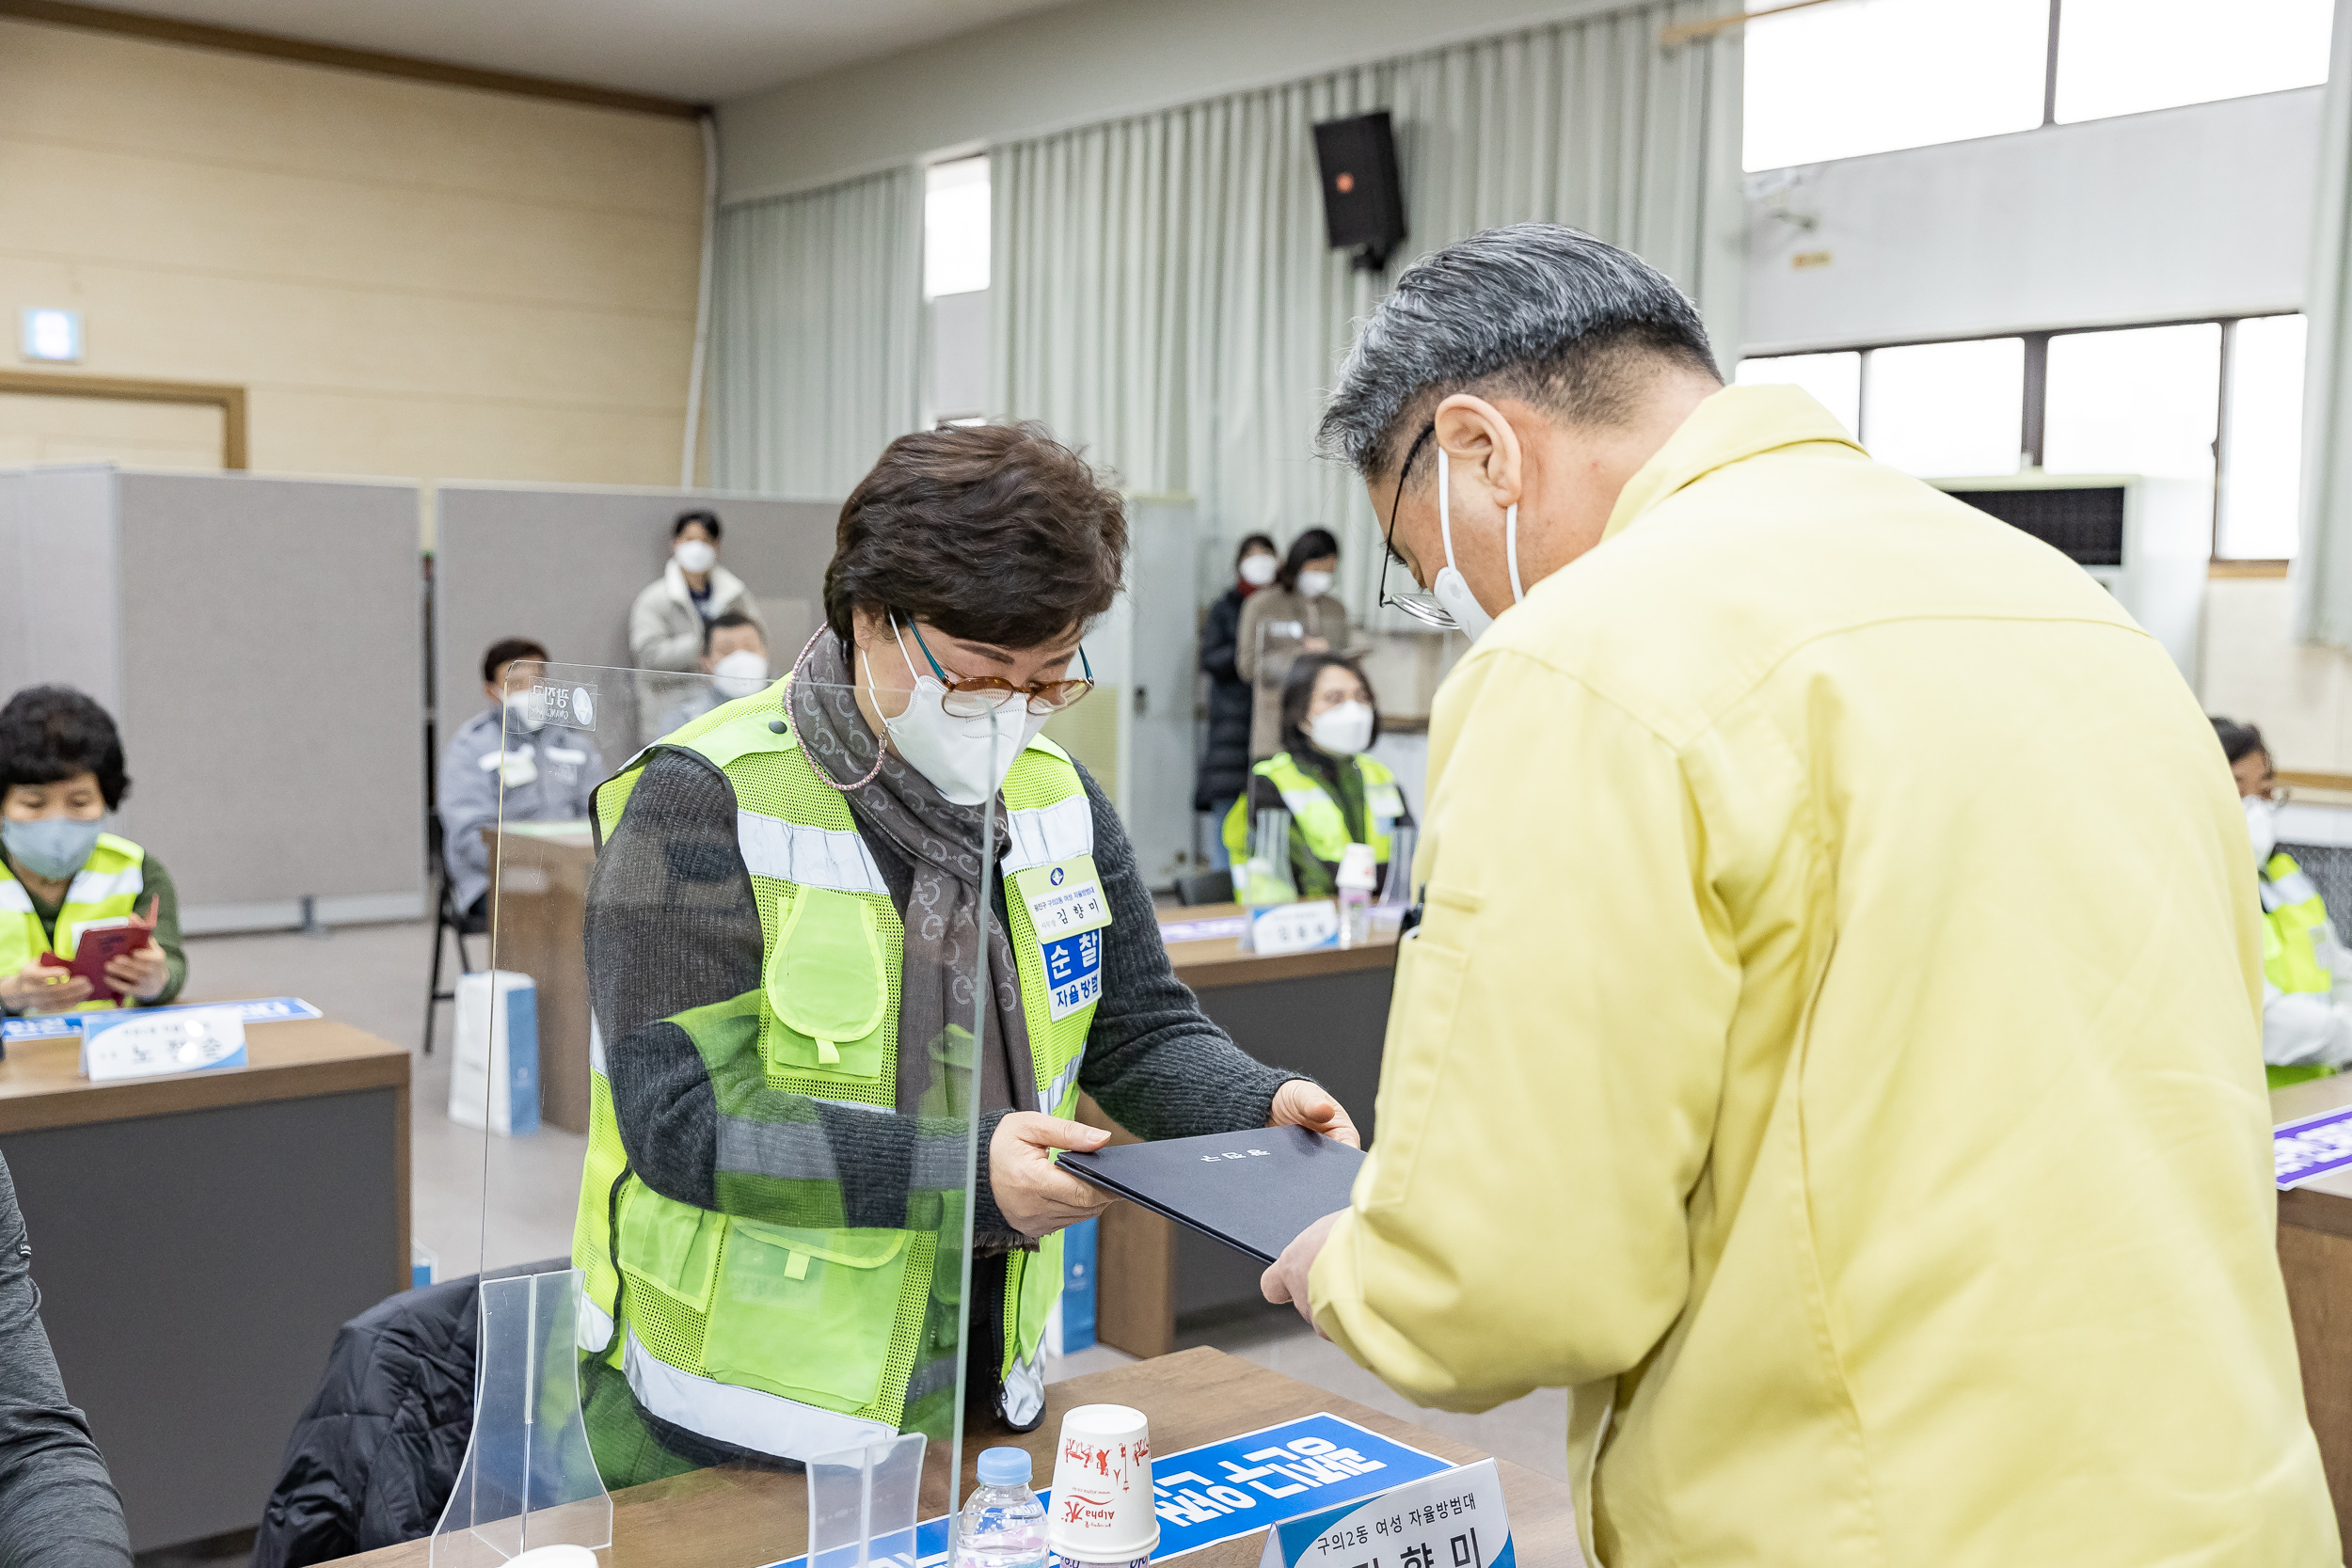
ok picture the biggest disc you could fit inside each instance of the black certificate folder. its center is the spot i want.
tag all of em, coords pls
(1253, 1191)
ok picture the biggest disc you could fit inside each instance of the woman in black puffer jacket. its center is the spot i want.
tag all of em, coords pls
(1224, 761)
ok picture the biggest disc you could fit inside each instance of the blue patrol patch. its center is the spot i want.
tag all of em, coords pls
(1074, 973)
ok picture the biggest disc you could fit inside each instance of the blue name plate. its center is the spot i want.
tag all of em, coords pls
(1455, 1519)
(1231, 1488)
(2312, 1147)
(51, 1026)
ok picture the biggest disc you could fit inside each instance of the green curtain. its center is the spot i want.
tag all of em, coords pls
(1163, 293)
(817, 328)
(2322, 572)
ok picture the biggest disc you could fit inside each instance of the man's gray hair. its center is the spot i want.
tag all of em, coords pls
(1536, 311)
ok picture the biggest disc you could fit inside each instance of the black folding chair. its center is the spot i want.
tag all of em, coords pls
(1209, 887)
(446, 917)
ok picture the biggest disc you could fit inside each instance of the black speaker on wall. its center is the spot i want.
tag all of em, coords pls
(1363, 206)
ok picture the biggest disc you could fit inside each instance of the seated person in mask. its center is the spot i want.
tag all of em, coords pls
(61, 873)
(783, 928)
(2307, 1025)
(545, 773)
(735, 657)
(1336, 794)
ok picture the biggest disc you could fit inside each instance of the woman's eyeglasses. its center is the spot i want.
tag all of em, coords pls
(981, 695)
(1420, 607)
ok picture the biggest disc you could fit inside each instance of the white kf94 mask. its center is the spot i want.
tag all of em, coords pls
(1452, 589)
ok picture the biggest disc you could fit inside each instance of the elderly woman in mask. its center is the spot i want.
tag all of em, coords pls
(794, 895)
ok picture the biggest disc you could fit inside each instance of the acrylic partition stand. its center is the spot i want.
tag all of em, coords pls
(528, 1480)
(863, 1503)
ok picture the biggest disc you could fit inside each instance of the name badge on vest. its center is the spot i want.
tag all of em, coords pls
(1068, 913)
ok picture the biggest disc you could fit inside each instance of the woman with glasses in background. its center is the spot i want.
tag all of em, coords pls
(792, 897)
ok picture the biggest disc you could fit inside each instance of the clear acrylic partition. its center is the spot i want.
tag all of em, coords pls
(773, 1301)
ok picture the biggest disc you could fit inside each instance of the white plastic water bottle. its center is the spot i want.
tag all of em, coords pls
(1002, 1525)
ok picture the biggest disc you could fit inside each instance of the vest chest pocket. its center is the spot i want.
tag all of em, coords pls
(807, 1314)
(670, 1246)
(826, 988)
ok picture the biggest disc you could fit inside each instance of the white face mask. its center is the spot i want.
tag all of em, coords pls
(1257, 570)
(1315, 584)
(2262, 824)
(1342, 731)
(1453, 588)
(695, 556)
(966, 758)
(741, 673)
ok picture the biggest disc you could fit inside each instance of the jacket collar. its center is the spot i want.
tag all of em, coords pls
(1733, 426)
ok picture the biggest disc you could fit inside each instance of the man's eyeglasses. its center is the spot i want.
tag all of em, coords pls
(981, 695)
(1420, 607)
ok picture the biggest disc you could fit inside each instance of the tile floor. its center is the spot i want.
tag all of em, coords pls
(374, 976)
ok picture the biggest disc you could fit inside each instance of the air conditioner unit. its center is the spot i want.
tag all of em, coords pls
(2150, 540)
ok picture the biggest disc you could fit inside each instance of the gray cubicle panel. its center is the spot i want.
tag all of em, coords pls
(259, 642)
(562, 563)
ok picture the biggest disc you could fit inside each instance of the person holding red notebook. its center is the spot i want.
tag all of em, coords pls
(88, 918)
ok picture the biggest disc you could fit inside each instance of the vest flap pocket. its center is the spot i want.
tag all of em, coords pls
(1385, 800)
(669, 1245)
(807, 1314)
(827, 988)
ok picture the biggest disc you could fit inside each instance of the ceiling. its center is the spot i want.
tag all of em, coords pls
(698, 50)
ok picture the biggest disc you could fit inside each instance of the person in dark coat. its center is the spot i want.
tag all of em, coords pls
(1224, 761)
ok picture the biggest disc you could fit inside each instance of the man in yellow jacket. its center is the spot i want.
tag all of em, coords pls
(1832, 1043)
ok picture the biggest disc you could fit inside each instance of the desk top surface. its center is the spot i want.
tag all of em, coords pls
(746, 1519)
(41, 1086)
(1221, 961)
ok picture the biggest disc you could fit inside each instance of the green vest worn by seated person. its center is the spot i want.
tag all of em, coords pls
(1321, 825)
(2292, 909)
(767, 1324)
(107, 888)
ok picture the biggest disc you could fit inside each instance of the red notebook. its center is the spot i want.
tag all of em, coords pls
(97, 947)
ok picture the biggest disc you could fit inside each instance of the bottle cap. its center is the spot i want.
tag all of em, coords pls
(1003, 1467)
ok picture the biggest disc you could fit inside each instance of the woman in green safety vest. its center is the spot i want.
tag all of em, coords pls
(1335, 792)
(2307, 1026)
(62, 874)
(787, 907)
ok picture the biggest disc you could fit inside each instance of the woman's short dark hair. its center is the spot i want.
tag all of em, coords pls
(1255, 541)
(709, 520)
(48, 734)
(1313, 544)
(1299, 689)
(998, 534)
(505, 651)
(2238, 741)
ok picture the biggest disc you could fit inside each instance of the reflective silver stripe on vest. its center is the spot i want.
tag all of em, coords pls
(592, 1326)
(786, 1151)
(93, 887)
(2293, 888)
(596, 1058)
(748, 1417)
(812, 857)
(1043, 836)
(1025, 1390)
(14, 900)
(1062, 1081)
(1304, 801)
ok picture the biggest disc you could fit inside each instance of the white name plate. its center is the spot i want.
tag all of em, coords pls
(1295, 927)
(130, 1044)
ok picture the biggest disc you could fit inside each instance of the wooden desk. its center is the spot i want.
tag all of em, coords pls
(198, 1240)
(538, 915)
(747, 1519)
(2315, 1258)
(1323, 1013)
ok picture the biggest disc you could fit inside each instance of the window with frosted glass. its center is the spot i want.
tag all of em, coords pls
(955, 227)
(2122, 57)
(2140, 402)
(2262, 441)
(1833, 379)
(1873, 76)
(1947, 411)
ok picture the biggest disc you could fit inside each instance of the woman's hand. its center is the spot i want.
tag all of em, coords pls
(1035, 1198)
(1300, 1103)
(37, 988)
(143, 974)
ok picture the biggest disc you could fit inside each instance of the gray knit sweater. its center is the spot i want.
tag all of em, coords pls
(672, 926)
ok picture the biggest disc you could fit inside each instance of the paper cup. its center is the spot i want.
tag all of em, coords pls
(1102, 1508)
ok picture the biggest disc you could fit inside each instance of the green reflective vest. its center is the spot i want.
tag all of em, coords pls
(799, 1341)
(2292, 910)
(107, 888)
(1315, 817)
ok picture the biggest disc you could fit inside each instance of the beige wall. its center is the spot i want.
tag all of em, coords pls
(2255, 671)
(409, 279)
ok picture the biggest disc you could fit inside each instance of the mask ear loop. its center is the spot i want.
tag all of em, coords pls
(882, 753)
(1511, 550)
(1510, 530)
(1445, 511)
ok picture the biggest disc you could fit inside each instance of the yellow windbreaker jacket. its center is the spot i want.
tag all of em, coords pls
(1831, 1048)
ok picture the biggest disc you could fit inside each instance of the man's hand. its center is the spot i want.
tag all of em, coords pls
(142, 974)
(1287, 1279)
(1035, 1198)
(38, 988)
(1300, 1104)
